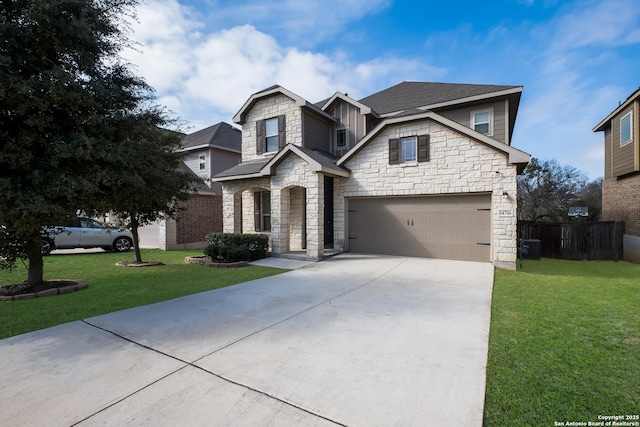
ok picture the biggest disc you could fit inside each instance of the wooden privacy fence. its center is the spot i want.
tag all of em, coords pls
(587, 240)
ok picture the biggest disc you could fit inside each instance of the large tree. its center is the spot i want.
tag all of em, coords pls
(547, 189)
(69, 107)
(156, 183)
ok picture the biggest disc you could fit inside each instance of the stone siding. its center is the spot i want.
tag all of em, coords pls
(458, 165)
(268, 108)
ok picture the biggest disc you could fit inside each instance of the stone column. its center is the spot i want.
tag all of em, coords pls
(315, 217)
(230, 210)
(279, 220)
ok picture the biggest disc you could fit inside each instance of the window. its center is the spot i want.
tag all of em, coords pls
(342, 140)
(262, 210)
(408, 150)
(481, 121)
(626, 128)
(202, 161)
(270, 135)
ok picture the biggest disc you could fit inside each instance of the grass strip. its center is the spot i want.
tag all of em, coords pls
(114, 288)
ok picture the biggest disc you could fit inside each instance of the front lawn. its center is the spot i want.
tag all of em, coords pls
(113, 288)
(564, 344)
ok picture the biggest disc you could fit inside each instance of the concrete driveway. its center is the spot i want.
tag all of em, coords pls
(355, 340)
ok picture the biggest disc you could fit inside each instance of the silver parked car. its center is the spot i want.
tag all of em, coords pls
(86, 233)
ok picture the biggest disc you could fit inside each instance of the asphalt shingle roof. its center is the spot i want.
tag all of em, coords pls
(247, 168)
(221, 135)
(410, 95)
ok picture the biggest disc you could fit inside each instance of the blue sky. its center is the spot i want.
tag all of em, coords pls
(576, 59)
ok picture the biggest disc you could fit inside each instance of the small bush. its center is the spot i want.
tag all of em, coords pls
(236, 247)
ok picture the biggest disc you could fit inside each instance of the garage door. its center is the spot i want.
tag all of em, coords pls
(445, 227)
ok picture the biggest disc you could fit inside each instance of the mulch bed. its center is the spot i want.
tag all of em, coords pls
(138, 264)
(46, 288)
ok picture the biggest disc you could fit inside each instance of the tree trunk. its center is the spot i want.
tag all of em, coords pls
(35, 275)
(136, 241)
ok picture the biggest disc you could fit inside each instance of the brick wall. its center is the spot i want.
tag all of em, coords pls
(200, 215)
(621, 202)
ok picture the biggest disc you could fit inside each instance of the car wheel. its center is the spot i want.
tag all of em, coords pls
(46, 247)
(122, 244)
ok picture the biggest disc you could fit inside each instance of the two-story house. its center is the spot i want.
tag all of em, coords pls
(418, 169)
(621, 184)
(209, 151)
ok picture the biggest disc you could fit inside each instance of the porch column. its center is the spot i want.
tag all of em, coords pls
(315, 217)
(231, 210)
(279, 220)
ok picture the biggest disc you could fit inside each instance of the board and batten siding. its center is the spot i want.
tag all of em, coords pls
(348, 117)
(608, 154)
(463, 116)
(317, 132)
(622, 155)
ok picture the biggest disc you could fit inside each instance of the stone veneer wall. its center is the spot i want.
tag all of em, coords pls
(457, 165)
(268, 108)
(291, 173)
(237, 204)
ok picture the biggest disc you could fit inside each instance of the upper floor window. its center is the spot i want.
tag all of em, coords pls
(482, 121)
(270, 135)
(202, 162)
(626, 128)
(342, 138)
(408, 150)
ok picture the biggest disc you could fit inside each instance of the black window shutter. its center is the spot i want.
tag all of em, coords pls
(394, 151)
(282, 134)
(261, 140)
(423, 148)
(257, 218)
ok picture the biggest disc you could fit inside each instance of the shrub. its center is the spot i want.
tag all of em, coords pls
(236, 247)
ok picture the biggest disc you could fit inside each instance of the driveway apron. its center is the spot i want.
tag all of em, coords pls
(354, 340)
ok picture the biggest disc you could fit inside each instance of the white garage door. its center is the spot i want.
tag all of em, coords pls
(445, 227)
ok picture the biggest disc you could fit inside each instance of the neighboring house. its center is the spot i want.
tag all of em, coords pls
(621, 184)
(210, 151)
(419, 169)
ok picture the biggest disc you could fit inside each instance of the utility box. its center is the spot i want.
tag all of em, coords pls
(533, 249)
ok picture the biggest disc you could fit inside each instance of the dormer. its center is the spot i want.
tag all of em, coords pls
(353, 121)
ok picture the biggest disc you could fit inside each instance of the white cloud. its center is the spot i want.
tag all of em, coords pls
(303, 22)
(608, 23)
(206, 78)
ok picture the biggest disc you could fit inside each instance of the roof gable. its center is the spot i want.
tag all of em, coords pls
(603, 124)
(428, 95)
(239, 118)
(515, 156)
(318, 161)
(221, 135)
(364, 109)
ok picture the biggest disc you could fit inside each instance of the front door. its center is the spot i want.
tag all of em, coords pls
(328, 212)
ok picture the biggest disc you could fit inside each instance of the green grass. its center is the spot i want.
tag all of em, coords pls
(564, 343)
(113, 288)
